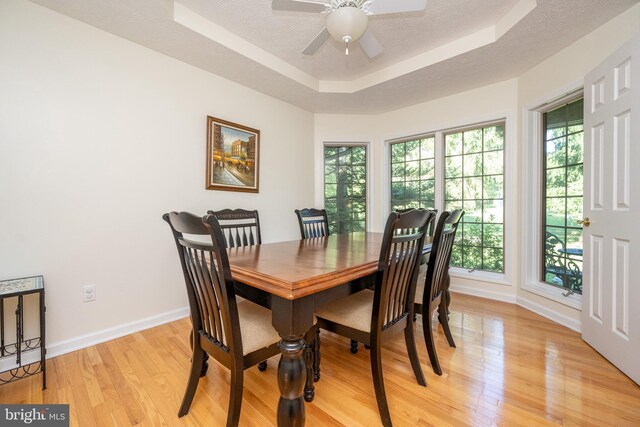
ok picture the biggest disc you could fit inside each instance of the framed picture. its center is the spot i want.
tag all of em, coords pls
(233, 161)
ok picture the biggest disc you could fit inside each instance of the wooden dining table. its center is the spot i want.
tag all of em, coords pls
(293, 278)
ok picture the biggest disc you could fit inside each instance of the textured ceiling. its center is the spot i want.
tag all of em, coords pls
(403, 35)
(549, 26)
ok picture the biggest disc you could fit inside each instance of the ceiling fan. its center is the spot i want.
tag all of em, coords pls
(347, 20)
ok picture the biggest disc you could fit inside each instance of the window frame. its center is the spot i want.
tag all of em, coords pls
(482, 126)
(436, 165)
(531, 255)
(543, 194)
(367, 147)
(511, 245)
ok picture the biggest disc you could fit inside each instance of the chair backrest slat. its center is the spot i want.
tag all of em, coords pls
(313, 223)
(240, 227)
(208, 279)
(440, 257)
(432, 221)
(206, 291)
(400, 254)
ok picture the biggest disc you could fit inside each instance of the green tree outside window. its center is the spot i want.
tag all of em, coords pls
(413, 174)
(345, 188)
(562, 196)
(474, 181)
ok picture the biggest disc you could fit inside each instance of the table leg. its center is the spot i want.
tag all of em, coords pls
(292, 319)
(291, 380)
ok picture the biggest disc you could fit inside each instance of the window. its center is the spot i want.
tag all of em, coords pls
(474, 181)
(473, 171)
(345, 188)
(413, 174)
(562, 183)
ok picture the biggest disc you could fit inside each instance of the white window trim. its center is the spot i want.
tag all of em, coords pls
(369, 162)
(532, 205)
(480, 275)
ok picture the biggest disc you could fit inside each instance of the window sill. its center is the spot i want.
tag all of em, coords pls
(554, 294)
(481, 276)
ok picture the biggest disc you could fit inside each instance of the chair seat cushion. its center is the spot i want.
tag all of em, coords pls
(353, 311)
(422, 275)
(255, 326)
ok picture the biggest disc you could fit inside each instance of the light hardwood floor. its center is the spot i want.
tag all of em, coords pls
(511, 367)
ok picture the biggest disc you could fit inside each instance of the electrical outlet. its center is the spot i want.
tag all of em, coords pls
(88, 293)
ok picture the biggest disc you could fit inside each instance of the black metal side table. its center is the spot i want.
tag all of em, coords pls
(18, 288)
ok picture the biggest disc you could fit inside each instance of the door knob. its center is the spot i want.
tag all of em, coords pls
(584, 222)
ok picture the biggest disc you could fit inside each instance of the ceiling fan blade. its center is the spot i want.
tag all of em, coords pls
(318, 41)
(378, 7)
(298, 6)
(370, 44)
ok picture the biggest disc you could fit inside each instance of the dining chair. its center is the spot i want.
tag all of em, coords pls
(423, 260)
(433, 281)
(238, 334)
(240, 227)
(373, 317)
(312, 222)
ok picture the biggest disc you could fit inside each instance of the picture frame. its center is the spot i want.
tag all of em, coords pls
(233, 156)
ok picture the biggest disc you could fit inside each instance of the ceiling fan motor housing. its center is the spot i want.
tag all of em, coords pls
(347, 23)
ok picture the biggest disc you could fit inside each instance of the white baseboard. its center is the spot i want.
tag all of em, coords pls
(483, 293)
(543, 311)
(73, 344)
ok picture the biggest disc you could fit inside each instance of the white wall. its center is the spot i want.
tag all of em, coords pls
(98, 138)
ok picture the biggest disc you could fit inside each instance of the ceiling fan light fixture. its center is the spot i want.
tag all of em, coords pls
(347, 24)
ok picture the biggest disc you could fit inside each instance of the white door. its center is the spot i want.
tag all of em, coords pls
(611, 288)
